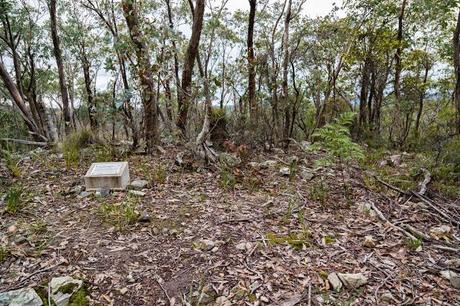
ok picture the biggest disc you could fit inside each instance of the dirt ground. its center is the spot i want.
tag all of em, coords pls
(271, 240)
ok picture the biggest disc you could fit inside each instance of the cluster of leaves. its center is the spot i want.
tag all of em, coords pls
(336, 140)
(72, 145)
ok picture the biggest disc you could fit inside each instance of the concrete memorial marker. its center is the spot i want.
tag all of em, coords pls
(113, 175)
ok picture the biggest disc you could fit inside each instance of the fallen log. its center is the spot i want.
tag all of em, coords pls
(26, 142)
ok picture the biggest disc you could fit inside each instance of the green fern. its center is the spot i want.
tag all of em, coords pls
(335, 139)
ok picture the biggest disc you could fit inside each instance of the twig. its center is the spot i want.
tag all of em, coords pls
(426, 181)
(163, 289)
(384, 219)
(390, 186)
(26, 142)
(235, 221)
(429, 203)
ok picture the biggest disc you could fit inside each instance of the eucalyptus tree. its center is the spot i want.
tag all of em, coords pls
(60, 65)
(149, 99)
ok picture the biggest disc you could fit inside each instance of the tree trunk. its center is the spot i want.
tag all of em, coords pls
(192, 51)
(285, 88)
(60, 64)
(19, 101)
(144, 74)
(456, 42)
(397, 126)
(364, 94)
(420, 101)
(251, 64)
(89, 92)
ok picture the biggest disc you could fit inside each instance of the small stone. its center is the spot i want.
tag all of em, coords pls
(102, 192)
(268, 164)
(366, 208)
(77, 189)
(278, 151)
(130, 278)
(352, 281)
(453, 277)
(453, 263)
(12, 229)
(244, 246)
(138, 184)
(137, 193)
(85, 194)
(293, 159)
(387, 297)
(206, 244)
(335, 282)
(24, 296)
(72, 285)
(383, 163)
(264, 299)
(285, 171)
(254, 165)
(222, 301)
(123, 290)
(369, 242)
(229, 160)
(144, 217)
(307, 175)
(395, 160)
(440, 232)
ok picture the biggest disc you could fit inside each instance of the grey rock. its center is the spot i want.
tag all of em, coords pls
(335, 282)
(229, 160)
(387, 297)
(254, 165)
(268, 164)
(77, 189)
(453, 277)
(396, 160)
(305, 145)
(138, 184)
(285, 171)
(85, 194)
(20, 297)
(136, 193)
(352, 281)
(102, 192)
(440, 232)
(145, 217)
(453, 263)
(63, 298)
(307, 175)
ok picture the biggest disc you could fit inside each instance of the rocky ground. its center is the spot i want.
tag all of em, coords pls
(285, 234)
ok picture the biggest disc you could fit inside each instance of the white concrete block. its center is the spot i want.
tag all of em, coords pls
(112, 175)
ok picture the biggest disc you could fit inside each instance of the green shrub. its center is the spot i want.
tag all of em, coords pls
(12, 163)
(119, 215)
(227, 180)
(319, 193)
(335, 139)
(14, 199)
(72, 145)
(4, 253)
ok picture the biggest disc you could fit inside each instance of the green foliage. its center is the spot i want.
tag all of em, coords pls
(4, 253)
(13, 199)
(335, 139)
(159, 174)
(414, 244)
(296, 239)
(319, 192)
(12, 163)
(227, 179)
(120, 215)
(103, 153)
(72, 145)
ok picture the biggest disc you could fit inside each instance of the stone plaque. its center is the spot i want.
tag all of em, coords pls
(113, 175)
